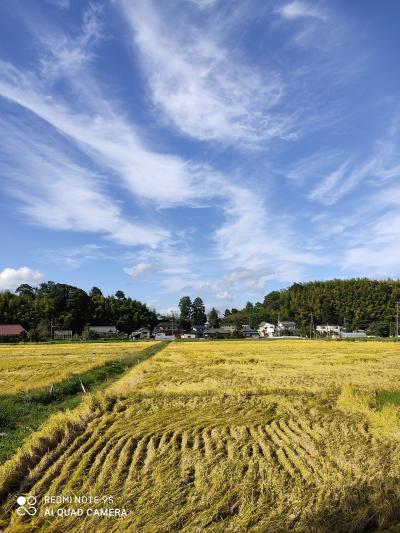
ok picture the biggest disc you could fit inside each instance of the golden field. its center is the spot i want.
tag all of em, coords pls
(235, 436)
(28, 366)
(265, 366)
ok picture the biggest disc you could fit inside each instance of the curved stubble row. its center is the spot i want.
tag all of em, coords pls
(269, 462)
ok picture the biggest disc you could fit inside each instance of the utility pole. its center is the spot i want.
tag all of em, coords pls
(345, 324)
(311, 324)
(397, 321)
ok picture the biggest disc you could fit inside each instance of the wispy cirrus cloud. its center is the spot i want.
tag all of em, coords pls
(98, 129)
(203, 4)
(382, 166)
(299, 9)
(249, 237)
(81, 154)
(200, 86)
(107, 138)
(61, 53)
(55, 192)
(74, 257)
(62, 4)
(329, 190)
(375, 251)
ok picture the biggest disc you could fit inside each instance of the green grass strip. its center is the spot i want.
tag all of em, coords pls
(388, 398)
(23, 413)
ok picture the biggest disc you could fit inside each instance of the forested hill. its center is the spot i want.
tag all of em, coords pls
(360, 303)
(61, 306)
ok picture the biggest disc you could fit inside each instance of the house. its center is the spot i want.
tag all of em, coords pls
(104, 331)
(164, 337)
(248, 332)
(188, 336)
(265, 329)
(329, 330)
(62, 334)
(11, 330)
(199, 330)
(141, 333)
(219, 333)
(166, 331)
(286, 326)
(353, 335)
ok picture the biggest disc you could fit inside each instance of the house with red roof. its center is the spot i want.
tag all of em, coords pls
(11, 330)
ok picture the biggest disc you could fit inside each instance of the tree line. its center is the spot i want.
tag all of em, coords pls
(59, 306)
(358, 303)
(355, 303)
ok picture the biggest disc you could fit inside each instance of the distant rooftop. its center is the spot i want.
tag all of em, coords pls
(11, 330)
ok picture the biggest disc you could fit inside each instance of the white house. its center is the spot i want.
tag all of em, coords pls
(265, 329)
(164, 337)
(353, 335)
(141, 333)
(62, 334)
(329, 329)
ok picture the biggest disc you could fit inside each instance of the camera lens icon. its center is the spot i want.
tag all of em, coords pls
(27, 505)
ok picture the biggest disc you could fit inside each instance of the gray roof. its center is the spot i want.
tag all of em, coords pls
(222, 329)
(103, 329)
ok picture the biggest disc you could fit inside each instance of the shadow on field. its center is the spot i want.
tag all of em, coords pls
(366, 506)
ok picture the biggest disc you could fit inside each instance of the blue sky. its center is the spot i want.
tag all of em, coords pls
(202, 147)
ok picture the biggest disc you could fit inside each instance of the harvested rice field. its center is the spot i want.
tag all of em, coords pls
(233, 436)
(29, 366)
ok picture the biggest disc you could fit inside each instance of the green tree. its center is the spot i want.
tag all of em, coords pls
(25, 290)
(126, 324)
(380, 328)
(95, 292)
(198, 314)
(120, 295)
(185, 310)
(213, 318)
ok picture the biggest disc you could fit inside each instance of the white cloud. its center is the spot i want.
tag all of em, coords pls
(379, 168)
(140, 269)
(203, 4)
(248, 237)
(75, 256)
(105, 136)
(169, 312)
(328, 191)
(62, 54)
(224, 295)
(201, 88)
(11, 278)
(297, 9)
(209, 95)
(379, 254)
(58, 193)
(62, 4)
